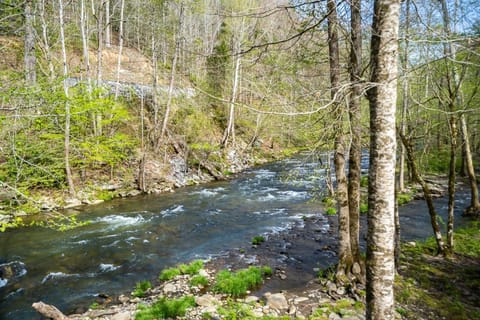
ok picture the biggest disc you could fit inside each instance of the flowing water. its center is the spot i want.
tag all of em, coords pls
(129, 240)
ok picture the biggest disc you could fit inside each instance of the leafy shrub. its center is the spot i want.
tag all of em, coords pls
(141, 288)
(329, 202)
(331, 211)
(364, 181)
(199, 280)
(237, 284)
(166, 308)
(191, 269)
(267, 271)
(169, 274)
(363, 208)
(257, 240)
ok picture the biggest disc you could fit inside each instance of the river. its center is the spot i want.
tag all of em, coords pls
(129, 240)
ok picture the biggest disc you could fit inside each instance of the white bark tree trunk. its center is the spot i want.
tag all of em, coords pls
(381, 201)
(68, 171)
(120, 48)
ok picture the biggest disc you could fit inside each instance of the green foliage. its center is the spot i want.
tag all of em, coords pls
(364, 181)
(166, 308)
(329, 202)
(192, 268)
(236, 284)
(258, 240)
(467, 240)
(363, 208)
(141, 288)
(267, 271)
(94, 306)
(169, 274)
(330, 211)
(403, 198)
(199, 280)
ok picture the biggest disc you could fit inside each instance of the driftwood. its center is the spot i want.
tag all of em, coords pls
(49, 311)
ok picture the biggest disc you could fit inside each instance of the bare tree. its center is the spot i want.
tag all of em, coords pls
(381, 201)
(68, 170)
(345, 259)
(354, 160)
(29, 44)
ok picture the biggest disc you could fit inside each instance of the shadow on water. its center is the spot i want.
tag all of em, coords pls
(129, 240)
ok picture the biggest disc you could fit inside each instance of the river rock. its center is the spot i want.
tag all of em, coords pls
(123, 299)
(251, 299)
(334, 316)
(169, 288)
(122, 316)
(207, 300)
(277, 301)
(71, 203)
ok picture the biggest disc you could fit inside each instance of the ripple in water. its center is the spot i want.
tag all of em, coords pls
(172, 210)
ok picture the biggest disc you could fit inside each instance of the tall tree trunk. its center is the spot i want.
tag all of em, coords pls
(354, 160)
(345, 259)
(86, 54)
(46, 42)
(29, 45)
(168, 106)
(426, 194)
(68, 171)
(120, 48)
(97, 116)
(229, 133)
(381, 189)
(108, 25)
(474, 207)
(403, 124)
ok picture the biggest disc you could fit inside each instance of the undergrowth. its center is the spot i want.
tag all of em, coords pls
(166, 308)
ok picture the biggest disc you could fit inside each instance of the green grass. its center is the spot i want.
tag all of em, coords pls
(199, 280)
(169, 274)
(237, 283)
(443, 288)
(258, 240)
(192, 268)
(141, 288)
(403, 198)
(166, 308)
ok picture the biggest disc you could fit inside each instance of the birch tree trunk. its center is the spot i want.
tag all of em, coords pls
(68, 171)
(454, 101)
(426, 193)
(354, 160)
(168, 106)
(403, 124)
(86, 55)
(120, 48)
(381, 190)
(46, 42)
(345, 259)
(474, 207)
(29, 45)
(229, 133)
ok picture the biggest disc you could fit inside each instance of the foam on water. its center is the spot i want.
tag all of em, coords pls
(107, 267)
(290, 194)
(3, 282)
(268, 197)
(172, 210)
(59, 275)
(122, 220)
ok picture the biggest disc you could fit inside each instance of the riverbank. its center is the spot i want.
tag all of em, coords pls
(159, 176)
(427, 286)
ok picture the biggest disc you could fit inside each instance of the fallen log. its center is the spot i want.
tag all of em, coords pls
(49, 311)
